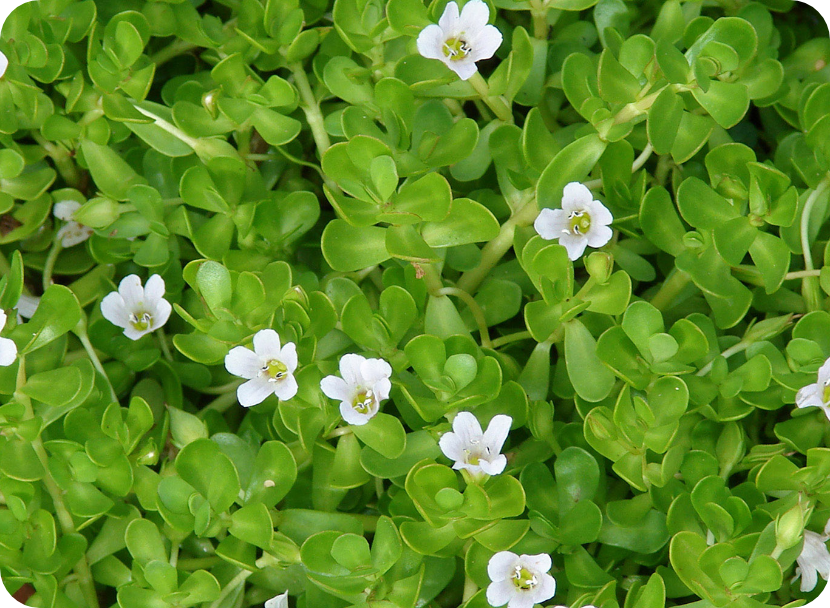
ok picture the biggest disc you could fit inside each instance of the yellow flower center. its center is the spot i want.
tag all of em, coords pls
(456, 49)
(579, 222)
(826, 394)
(364, 401)
(141, 323)
(275, 370)
(523, 579)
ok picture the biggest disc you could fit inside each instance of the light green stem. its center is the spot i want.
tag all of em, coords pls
(165, 348)
(810, 286)
(49, 264)
(497, 104)
(93, 356)
(732, 350)
(235, 582)
(311, 108)
(670, 289)
(64, 517)
(221, 404)
(478, 313)
(493, 251)
(510, 338)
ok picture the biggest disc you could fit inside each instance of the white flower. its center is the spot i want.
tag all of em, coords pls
(461, 40)
(818, 393)
(520, 581)
(8, 349)
(269, 368)
(71, 233)
(139, 310)
(279, 601)
(814, 559)
(26, 306)
(365, 383)
(580, 222)
(6, 8)
(477, 452)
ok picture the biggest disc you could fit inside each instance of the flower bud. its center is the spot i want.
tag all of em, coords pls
(599, 265)
(768, 328)
(98, 213)
(789, 528)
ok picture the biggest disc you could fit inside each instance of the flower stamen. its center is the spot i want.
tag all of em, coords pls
(141, 323)
(524, 579)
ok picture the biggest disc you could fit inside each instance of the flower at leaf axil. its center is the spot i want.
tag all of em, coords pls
(814, 559)
(139, 310)
(363, 385)
(8, 349)
(72, 232)
(473, 450)
(818, 393)
(459, 40)
(268, 369)
(581, 222)
(520, 581)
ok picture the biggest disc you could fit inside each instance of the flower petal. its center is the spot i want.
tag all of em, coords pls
(467, 427)
(486, 43)
(501, 565)
(545, 590)
(288, 356)
(8, 352)
(430, 42)
(500, 592)
(452, 446)
(243, 362)
(449, 19)
(576, 195)
(254, 392)
(161, 313)
(280, 601)
(351, 415)
(809, 578)
(599, 214)
(133, 293)
(474, 16)
(26, 307)
(136, 334)
(73, 234)
(286, 388)
(381, 389)
(350, 365)
(267, 344)
(3, 319)
(551, 224)
(4, 64)
(496, 433)
(494, 466)
(115, 310)
(464, 68)
(599, 235)
(65, 210)
(574, 244)
(335, 387)
(809, 396)
(154, 290)
(540, 562)
(374, 370)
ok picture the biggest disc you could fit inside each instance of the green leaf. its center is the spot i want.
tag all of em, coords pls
(572, 164)
(384, 434)
(590, 378)
(111, 173)
(348, 248)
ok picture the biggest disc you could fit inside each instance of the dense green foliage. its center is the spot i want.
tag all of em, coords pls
(297, 165)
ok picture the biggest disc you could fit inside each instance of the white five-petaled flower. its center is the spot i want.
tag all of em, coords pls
(279, 601)
(365, 383)
(8, 349)
(139, 310)
(581, 222)
(268, 369)
(461, 40)
(6, 8)
(72, 232)
(814, 559)
(520, 581)
(818, 393)
(474, 451)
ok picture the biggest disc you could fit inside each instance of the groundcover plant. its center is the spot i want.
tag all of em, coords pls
(375, 303)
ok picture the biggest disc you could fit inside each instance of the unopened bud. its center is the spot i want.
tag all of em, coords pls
(768, 328)
(98, 213)
(789, 528)
(599, 265)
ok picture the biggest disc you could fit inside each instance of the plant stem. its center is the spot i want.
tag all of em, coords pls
(810, 286)
(478, 313)
(732, 350)
(165, 348)
(64, 517)
(432, 279)
(235, 582)
(497, 104)
(220, 404)
(510, 338)
(642, 158)
(93, 356)
(523, 215)
(171, 51)
(670, 289)
(49, 264)
(62, 159)
(801, 274)
(311, 108)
